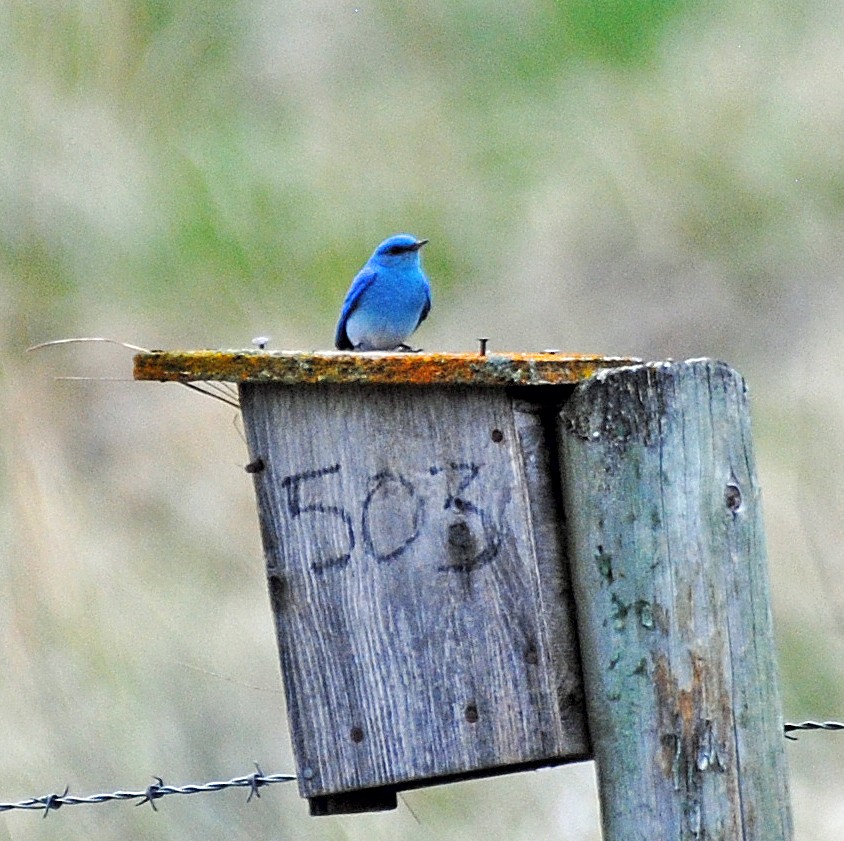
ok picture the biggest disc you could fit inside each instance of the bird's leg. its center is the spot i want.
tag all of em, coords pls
(408, 349)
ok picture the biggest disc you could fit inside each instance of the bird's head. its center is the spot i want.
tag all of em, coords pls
(398, 250)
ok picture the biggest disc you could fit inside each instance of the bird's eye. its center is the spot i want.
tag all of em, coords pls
(395, 249)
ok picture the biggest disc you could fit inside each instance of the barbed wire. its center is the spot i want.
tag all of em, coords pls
(811, 725)
(254, 782)
(52, 802)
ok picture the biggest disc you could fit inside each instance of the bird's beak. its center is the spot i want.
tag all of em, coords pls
(419, 244)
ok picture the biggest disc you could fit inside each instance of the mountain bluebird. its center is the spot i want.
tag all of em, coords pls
(388, 299)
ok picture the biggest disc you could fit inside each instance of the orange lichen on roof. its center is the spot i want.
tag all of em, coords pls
(296, 367)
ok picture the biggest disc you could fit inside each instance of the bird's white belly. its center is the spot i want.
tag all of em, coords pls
(368, 331)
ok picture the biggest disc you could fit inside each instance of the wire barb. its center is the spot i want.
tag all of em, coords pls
(255, 783)
(153, 792)
(53, 802)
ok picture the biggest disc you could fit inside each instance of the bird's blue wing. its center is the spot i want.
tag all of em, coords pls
(425, 309)
(363, 280)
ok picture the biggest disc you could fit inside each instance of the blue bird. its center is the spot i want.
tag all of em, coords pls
(388, 299)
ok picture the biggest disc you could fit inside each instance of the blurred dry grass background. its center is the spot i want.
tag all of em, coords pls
(652, 177)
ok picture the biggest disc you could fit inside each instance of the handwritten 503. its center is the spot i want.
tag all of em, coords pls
(305, 498)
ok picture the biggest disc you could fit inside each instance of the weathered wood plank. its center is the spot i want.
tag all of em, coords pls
(418, 584)
(669, 570)
(324, 367)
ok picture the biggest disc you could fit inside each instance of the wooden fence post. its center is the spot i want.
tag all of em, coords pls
(667, 550)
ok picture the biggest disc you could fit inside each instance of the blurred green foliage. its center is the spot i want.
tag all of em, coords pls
(620, 32)
(171, 149)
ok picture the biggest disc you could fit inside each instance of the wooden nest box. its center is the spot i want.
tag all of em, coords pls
(470, 557)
